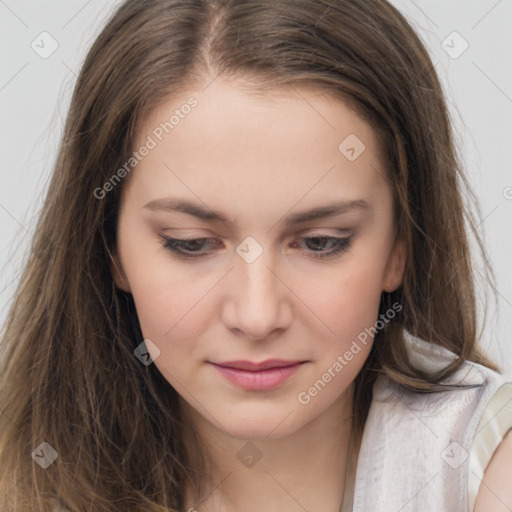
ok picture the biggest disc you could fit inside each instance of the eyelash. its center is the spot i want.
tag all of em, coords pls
(176, 245)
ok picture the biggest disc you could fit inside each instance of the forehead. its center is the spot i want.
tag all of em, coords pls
(291, 145)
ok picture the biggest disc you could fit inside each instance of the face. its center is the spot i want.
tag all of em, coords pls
(257, 229)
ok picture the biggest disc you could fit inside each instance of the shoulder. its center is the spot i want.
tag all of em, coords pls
(495, 491)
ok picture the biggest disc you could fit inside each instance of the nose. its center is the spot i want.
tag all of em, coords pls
(257, 300)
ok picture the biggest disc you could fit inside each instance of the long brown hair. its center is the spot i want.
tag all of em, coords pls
(69, 376)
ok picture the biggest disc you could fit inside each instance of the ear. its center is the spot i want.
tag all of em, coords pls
(118, 274)
(394, 273)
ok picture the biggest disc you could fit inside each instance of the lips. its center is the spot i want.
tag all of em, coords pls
(253, 366)
(258, 376)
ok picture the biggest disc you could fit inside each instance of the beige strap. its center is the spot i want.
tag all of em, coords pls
(495, 422)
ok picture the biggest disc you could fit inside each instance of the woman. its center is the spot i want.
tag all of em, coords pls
(250, 286)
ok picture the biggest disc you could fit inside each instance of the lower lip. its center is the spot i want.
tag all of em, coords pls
(257, 380)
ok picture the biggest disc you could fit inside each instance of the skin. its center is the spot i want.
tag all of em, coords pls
(257, 160)
(495, 492)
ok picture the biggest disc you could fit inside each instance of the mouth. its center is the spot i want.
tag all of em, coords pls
(260, 376)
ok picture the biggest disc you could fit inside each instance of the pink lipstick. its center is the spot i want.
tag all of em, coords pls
(258, 376)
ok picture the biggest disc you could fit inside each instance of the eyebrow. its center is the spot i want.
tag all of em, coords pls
(320, 212)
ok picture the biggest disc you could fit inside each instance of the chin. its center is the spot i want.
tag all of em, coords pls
(262, 426)
(251, 432)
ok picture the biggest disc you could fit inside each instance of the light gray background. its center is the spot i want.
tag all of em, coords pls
(35, 94)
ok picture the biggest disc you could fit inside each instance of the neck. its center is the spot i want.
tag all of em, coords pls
(304, 470)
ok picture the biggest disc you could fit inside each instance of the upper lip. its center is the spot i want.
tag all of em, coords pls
(263, 365)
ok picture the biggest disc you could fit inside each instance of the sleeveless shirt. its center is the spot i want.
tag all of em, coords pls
(426, 452)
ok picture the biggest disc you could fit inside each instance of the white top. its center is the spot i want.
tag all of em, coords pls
(428, 451)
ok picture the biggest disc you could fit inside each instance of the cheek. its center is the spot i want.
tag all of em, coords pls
(172, 305)
(174, 318)
(171, 310)
(347, 299)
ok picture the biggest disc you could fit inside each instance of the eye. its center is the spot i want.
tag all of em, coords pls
(194, 247)
(318, 242)
(186, 248)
